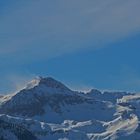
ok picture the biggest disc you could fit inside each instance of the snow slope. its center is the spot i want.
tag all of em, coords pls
(47, 109)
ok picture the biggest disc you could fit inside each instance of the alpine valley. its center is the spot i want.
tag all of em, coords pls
(46, 109)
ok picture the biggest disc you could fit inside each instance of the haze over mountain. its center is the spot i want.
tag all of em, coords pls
(47, 109)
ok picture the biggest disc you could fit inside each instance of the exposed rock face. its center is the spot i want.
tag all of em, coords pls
(12, 130)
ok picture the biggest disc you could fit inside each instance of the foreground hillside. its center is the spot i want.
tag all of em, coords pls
(47, 109)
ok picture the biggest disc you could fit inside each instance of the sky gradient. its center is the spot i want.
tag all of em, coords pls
(85, 44)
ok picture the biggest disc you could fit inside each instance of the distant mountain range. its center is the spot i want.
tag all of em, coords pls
(46, 109)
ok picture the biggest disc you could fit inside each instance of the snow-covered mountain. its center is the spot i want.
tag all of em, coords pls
(47, 109)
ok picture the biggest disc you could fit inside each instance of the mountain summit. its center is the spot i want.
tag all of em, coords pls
(46, 82)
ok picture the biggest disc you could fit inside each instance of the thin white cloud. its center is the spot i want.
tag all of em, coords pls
(16, 81)
(50, 28)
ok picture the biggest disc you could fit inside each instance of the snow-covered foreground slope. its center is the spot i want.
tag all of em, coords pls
(47, 109)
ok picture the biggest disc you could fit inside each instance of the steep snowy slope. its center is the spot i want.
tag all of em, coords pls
(49, 100)
(47, 109)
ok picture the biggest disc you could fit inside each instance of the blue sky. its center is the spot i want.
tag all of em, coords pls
(82, 43)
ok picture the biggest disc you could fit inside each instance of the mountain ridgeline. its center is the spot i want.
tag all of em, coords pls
(47, 109)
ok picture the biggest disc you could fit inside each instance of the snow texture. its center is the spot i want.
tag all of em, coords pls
(47, 109)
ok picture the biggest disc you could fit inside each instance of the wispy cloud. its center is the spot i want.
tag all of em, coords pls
(14, 82)
(50, 28)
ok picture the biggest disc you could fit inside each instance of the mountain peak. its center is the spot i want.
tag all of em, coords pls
(46, 82)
